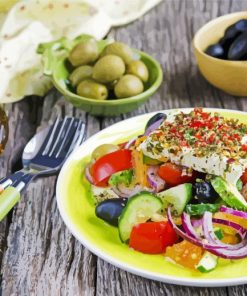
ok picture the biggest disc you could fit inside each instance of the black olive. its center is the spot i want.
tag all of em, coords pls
(110, 210)
(238, 48)
(230, 34)
(155, 118)
(215, 50)
(241, 25)
(204, 193)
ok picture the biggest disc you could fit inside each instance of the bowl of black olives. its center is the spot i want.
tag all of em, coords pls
(220, 48)
(106, 78)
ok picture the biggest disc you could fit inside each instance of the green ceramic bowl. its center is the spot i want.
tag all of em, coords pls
(109, 107)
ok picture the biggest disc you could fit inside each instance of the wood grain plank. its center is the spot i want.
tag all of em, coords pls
(43, 258)
(166, 33)
(22, 116)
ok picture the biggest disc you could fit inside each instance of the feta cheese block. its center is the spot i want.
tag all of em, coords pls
(201, 141)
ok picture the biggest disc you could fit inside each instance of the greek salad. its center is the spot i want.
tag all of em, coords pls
(179, 189)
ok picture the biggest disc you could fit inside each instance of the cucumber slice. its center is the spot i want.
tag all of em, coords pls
(178, 197)
(229, 193)
(139, 209)
(207, 263)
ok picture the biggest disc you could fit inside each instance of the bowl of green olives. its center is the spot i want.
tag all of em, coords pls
(220, 47)
(106, 78)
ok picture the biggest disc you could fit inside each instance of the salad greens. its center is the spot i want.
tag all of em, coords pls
(124, 177)
(191, 215)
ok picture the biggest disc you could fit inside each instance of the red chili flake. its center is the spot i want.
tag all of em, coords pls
(237, 137)
(197, 124)
(198, 136)
(173, 129)
(205, 115)
(211, 138)
(244, 147)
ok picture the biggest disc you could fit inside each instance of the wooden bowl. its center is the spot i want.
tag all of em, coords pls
(229, 76)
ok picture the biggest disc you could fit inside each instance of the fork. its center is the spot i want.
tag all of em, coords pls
(62, 138)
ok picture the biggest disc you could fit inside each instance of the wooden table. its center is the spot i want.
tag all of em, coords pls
(38, 254)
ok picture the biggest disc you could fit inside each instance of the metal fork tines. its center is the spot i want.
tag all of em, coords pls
(62, 138)
(44, 154)
(47, 150)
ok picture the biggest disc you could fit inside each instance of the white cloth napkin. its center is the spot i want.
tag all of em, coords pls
(31, 22)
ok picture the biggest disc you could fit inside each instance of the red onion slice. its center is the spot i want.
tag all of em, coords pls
(207, 227)
(228, 251)
(231, 254)
(130, 143)
(240, 230)
(208, 230)
(153, 126)
(189, 229)
(196, 223)
(187, 225)
(231, 211)
(124, 191)
(88, 174)
(189, 238)
(154, 180)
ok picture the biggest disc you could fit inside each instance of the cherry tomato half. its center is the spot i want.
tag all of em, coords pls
(172, 174)
(109, 164)
(152, 237)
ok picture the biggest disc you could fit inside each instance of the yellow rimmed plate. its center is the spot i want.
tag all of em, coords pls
(77, 210)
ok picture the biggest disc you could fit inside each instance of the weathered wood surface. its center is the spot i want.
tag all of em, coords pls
(38, 254)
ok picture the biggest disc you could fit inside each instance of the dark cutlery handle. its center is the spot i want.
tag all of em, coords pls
(9, 180)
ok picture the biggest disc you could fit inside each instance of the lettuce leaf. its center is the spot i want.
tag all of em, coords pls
(123, 177)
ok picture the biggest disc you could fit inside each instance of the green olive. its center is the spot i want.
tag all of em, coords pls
(79, 74)
(108, 69)
(93, 90)
(103, 150)
(139, 69)
(120, 49)
(128, 86)
(84, 53)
